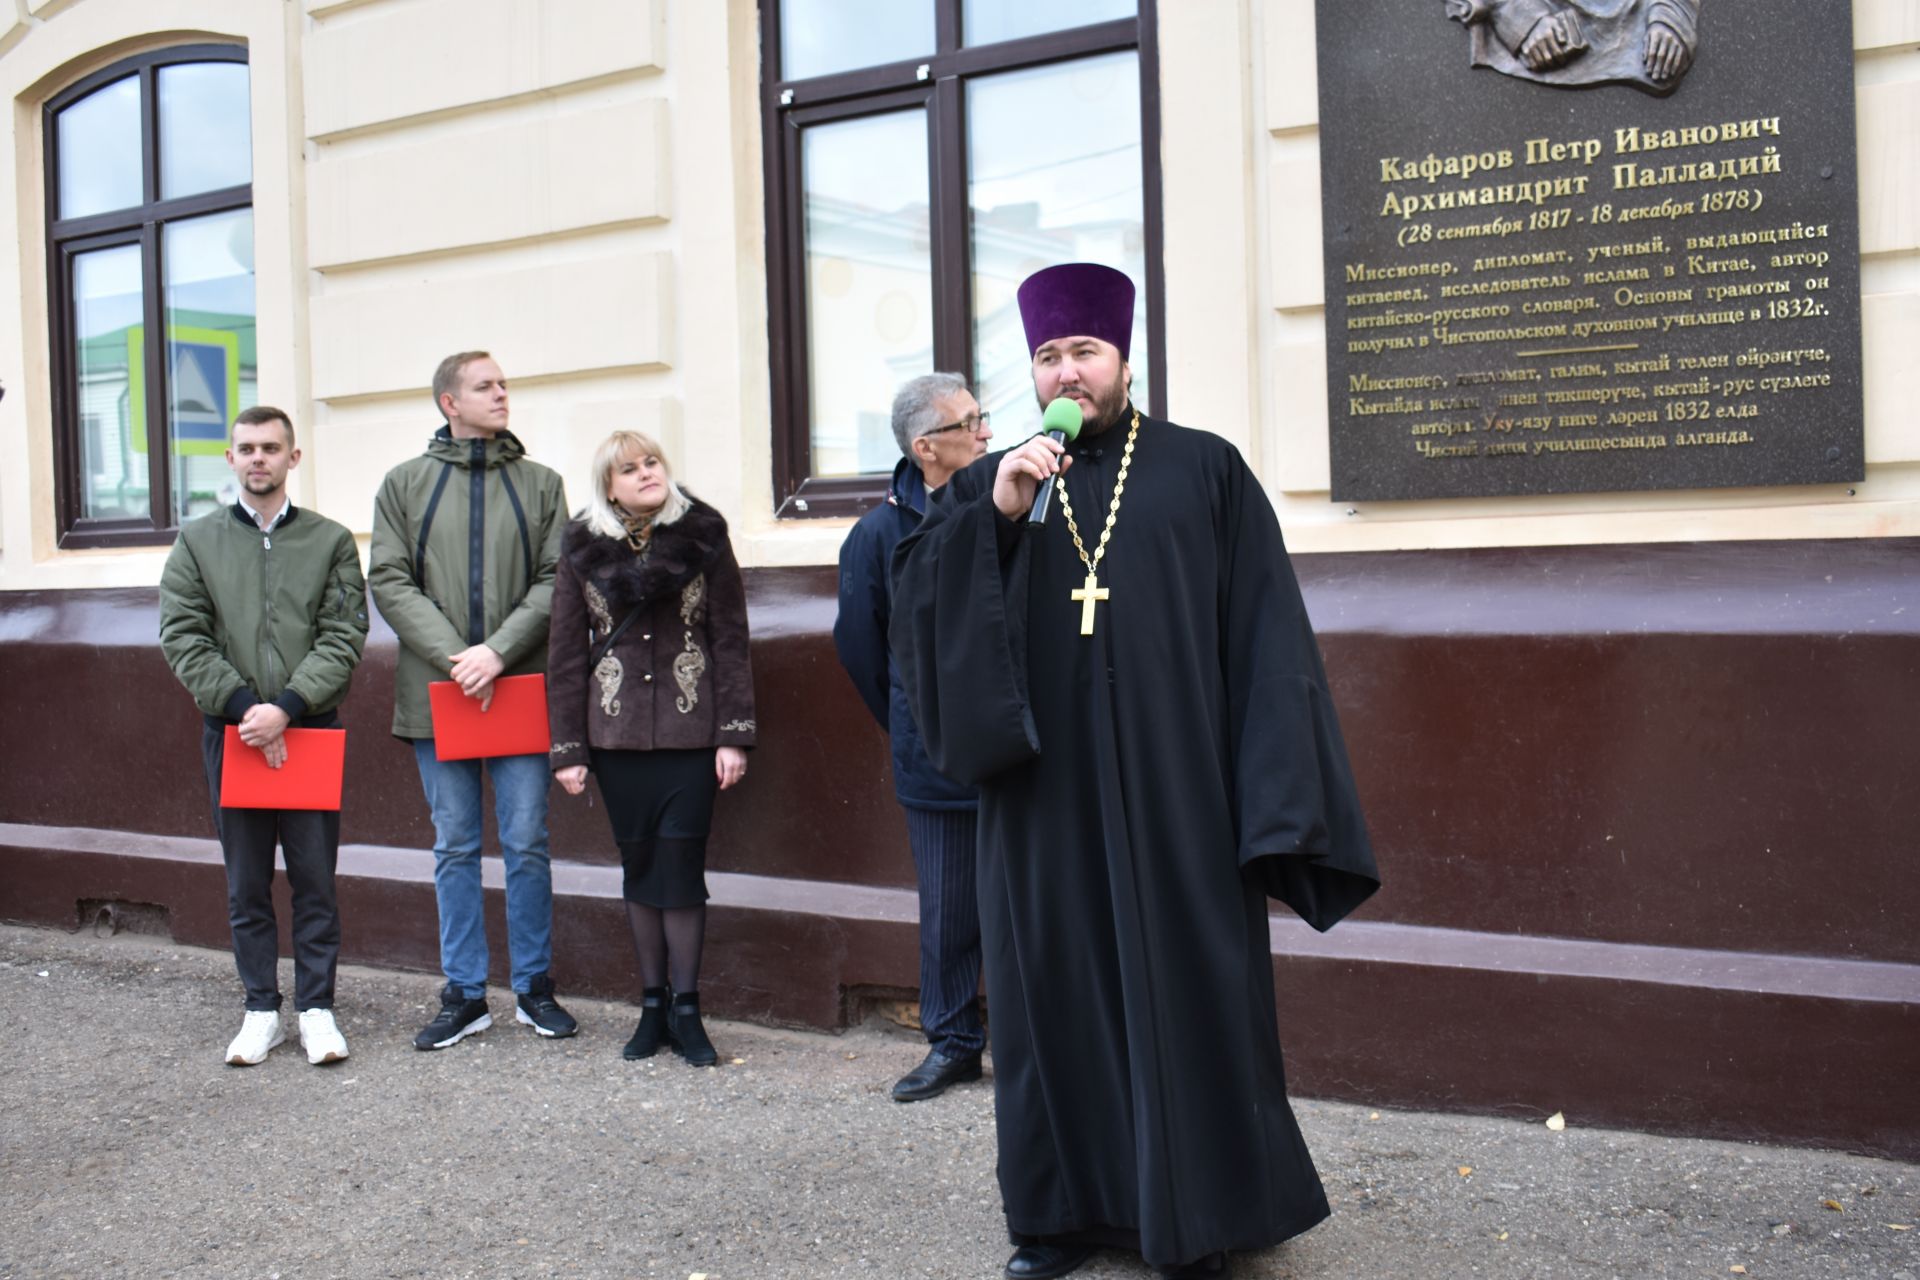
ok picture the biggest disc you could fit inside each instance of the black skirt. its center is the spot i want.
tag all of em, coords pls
(661, 806)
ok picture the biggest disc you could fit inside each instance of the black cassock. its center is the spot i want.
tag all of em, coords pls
(1142, 791)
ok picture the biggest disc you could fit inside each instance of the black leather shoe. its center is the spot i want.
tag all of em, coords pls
(1039, 1261)
(1212, 1267)
(934, 1076)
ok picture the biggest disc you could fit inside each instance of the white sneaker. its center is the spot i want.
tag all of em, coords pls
(258, 1034)
(320, 1037)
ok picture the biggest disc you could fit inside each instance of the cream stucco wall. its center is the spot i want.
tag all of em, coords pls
(578, 188)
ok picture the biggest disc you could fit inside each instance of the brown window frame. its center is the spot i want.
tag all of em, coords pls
(790, 105)
(139, 224)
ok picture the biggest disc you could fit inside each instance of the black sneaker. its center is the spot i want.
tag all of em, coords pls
(458, 1018)
(539, 1010)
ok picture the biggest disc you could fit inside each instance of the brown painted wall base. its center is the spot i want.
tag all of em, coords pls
(1646, 817)
(1658, 1038)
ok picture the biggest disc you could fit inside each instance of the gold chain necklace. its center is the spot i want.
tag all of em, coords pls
(1087, 596)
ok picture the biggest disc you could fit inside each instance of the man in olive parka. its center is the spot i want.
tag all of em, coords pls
(465, 539)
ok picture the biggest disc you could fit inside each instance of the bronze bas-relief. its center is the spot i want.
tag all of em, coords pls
(1647, 43)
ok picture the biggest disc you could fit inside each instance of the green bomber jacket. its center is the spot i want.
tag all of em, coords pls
(279, 617)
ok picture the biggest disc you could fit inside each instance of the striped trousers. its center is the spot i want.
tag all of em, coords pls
(943, 862)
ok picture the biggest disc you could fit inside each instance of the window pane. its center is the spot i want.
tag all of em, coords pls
(1054, 177)
(208, 267)
(98, 141)
(206, 130)
(107, 334)
(985, 21)
(869, 283)
(818, 37)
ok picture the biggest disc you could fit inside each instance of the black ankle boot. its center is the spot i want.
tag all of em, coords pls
(685, 1034)
(652, 1030)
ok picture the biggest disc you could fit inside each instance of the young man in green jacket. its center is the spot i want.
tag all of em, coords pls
(263, 616)
(465, 540)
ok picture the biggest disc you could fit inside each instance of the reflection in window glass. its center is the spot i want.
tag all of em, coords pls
(211, 369)
(206, 135)
(988, 21)
(1055, 177)
(869, 265)
(819, 37)
(107, 336)
(99, 145)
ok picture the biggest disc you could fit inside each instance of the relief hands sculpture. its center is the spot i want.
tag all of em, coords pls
(1554, 41)
(1648, 43)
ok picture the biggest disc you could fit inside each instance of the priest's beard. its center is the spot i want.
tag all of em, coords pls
(1107, 408)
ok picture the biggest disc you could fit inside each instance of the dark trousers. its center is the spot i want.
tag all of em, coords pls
(310, 842)
(943, 861)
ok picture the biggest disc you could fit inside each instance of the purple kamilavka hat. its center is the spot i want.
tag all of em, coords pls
(1077, 299)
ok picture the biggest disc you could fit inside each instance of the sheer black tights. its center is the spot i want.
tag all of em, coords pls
(667, 943)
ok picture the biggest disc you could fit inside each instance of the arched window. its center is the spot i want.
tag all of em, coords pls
(150, 259)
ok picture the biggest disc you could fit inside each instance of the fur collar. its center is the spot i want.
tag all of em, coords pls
(680, 551)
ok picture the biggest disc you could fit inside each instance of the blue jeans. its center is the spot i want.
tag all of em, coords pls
(520, 812)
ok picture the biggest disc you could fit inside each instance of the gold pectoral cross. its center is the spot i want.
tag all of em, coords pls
(1086, 597)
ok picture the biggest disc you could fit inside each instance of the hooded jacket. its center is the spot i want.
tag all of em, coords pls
(860, 638)
(465, 539)
(679, 677)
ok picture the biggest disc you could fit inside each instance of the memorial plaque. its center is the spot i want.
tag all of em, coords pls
(1589, 245)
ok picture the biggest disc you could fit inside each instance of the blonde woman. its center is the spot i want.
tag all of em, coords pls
(649, 687)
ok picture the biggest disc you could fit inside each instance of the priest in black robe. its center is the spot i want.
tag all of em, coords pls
(1157, 754)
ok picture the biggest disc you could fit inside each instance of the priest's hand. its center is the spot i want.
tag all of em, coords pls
(1023, 471)
(572, 779)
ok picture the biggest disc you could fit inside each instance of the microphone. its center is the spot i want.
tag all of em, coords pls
(1060, 423)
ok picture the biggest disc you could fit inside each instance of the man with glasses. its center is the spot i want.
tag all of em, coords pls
(940, 429)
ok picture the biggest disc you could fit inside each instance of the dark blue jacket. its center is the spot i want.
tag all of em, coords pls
(860, 636)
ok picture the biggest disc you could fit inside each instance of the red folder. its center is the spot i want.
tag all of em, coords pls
(310, 778)
(515, 725)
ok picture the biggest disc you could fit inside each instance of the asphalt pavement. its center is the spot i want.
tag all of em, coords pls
(128, 1148)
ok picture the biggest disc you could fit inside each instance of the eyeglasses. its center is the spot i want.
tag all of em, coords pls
(975, 424)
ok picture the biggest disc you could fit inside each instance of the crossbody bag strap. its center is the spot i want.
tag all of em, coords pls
(605, 646)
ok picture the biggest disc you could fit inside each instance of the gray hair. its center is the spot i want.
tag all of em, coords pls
(914, 406)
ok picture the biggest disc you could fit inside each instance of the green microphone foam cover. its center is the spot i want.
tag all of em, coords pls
(1063, 415)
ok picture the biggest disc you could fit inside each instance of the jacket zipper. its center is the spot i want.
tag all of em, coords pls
(266, 594)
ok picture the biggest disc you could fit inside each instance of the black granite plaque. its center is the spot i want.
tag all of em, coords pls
(1589, 245)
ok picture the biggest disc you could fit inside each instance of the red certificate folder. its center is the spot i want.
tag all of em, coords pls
(310, 778)
(515, 725)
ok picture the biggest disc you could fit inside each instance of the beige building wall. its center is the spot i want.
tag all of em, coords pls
(577, 187)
